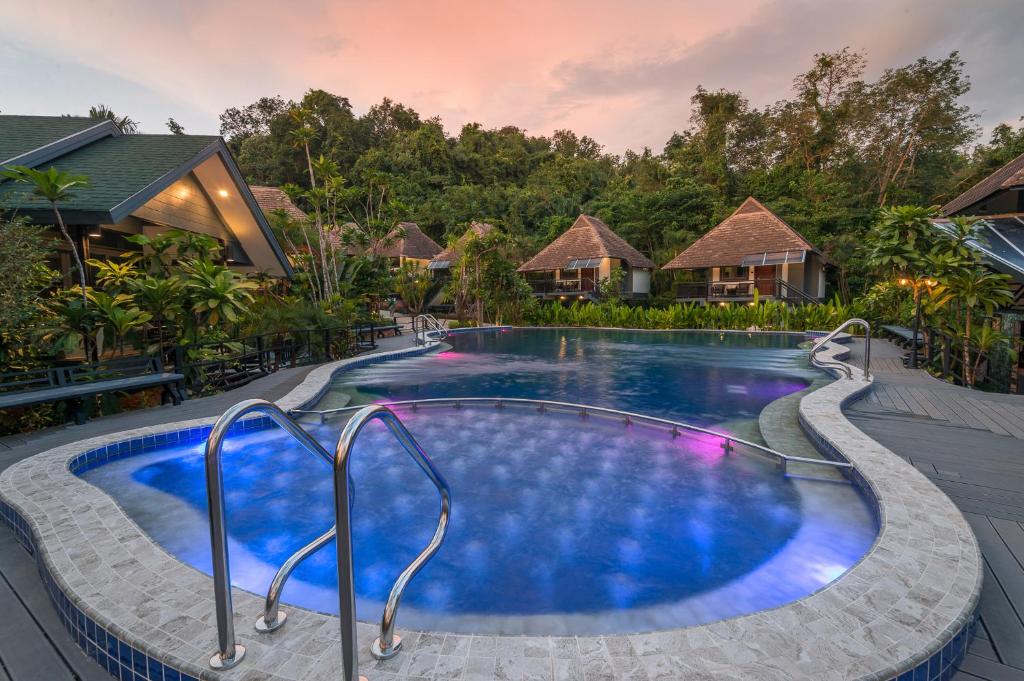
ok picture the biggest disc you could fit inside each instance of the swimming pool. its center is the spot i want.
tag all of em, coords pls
(559, 524)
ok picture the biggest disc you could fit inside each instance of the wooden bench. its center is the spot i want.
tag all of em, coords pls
(904, 336)
(73, 383)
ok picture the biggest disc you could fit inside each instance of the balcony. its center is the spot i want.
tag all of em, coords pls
(741, 291)
(552, 287)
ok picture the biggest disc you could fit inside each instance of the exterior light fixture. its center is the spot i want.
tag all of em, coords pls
(581, 297)
(722, 304)
(223, 193)
(904, 281)
(561, 297)
(95, 231)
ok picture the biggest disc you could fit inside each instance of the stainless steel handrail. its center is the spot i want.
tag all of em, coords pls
(229, 652)
(387, 644)
(585, 410)
(430, 324)
(840, 366)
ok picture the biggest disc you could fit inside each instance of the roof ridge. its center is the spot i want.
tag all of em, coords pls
(995, 178)
(723, 228)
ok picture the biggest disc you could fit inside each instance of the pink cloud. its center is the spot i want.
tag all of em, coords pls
(621, 72)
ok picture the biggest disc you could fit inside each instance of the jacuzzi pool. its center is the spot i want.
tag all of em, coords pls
(559, 524)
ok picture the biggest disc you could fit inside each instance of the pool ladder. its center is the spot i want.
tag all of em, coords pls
(429, 327)
(842, 366)
(229, 652)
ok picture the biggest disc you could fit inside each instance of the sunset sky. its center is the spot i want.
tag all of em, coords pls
(621, 72)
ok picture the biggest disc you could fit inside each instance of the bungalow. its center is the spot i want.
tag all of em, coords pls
(442, 263)
(271, 199)
(751, 251)
(138, 184)
(573, 264)
(408, 243)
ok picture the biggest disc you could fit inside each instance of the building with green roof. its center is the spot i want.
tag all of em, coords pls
(138, 184)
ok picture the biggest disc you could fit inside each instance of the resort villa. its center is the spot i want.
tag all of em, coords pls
(753, 251)
(407, 243)
(574, 264)
(442, 263)
(138, 184)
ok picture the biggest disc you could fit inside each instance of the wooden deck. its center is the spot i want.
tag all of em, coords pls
(971, 445)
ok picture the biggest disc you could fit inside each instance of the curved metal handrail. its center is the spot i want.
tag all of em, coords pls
(387, 644)
(840, 366)
(229, 652)
(430, 324)
(584, 410)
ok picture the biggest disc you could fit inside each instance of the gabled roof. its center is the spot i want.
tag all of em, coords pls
(415, 244)
(124, 172)
(587, 238)
(21, 135)
(1010, 175)
(270, 199)
(751, 228)
(454, 252)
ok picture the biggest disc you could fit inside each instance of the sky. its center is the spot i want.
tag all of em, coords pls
(621, 72)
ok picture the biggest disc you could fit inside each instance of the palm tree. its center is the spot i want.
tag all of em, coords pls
(126, 125)
(54, 186)
(974, 288)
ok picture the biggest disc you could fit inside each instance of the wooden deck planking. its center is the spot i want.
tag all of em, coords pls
(971, 445)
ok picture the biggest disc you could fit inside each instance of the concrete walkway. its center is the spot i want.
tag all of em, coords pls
(971, 445)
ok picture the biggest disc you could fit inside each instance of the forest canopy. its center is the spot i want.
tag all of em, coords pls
(826, 158)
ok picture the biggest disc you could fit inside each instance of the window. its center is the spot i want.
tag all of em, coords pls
(734, 273)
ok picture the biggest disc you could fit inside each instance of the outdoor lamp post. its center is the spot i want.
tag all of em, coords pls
(916, 284)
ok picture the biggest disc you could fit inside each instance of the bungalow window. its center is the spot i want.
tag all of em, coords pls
(735, 273)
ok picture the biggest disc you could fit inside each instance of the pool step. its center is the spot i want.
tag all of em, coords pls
(780, 427)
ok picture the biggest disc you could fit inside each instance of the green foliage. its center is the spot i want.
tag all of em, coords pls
(413, 284)
(767, 316)
(24, 275)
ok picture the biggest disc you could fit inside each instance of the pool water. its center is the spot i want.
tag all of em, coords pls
(696, 377)
(559, 524)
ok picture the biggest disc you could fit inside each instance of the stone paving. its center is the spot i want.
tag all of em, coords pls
(913, 592)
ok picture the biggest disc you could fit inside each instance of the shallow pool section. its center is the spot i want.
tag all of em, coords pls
(559, 524)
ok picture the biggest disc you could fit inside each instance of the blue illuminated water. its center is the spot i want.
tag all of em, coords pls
(559, 524)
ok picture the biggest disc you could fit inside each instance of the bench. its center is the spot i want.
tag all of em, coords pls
(73, 383)
(904, 336)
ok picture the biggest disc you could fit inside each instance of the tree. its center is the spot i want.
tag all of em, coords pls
(24, 276)
(974, 288)
(175, 127)
(125, 124)
(54, 186)
(413, 284)
(909, 113)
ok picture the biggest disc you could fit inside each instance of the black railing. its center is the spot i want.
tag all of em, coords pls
(741, 290)
(224, 365)
(566, 286)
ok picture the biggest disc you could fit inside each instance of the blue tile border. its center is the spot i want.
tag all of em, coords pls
(120, 659)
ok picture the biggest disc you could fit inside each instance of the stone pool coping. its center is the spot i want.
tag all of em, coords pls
(907, 605)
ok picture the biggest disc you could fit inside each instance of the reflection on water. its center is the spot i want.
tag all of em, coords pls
(559, 524)
(700, 378)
